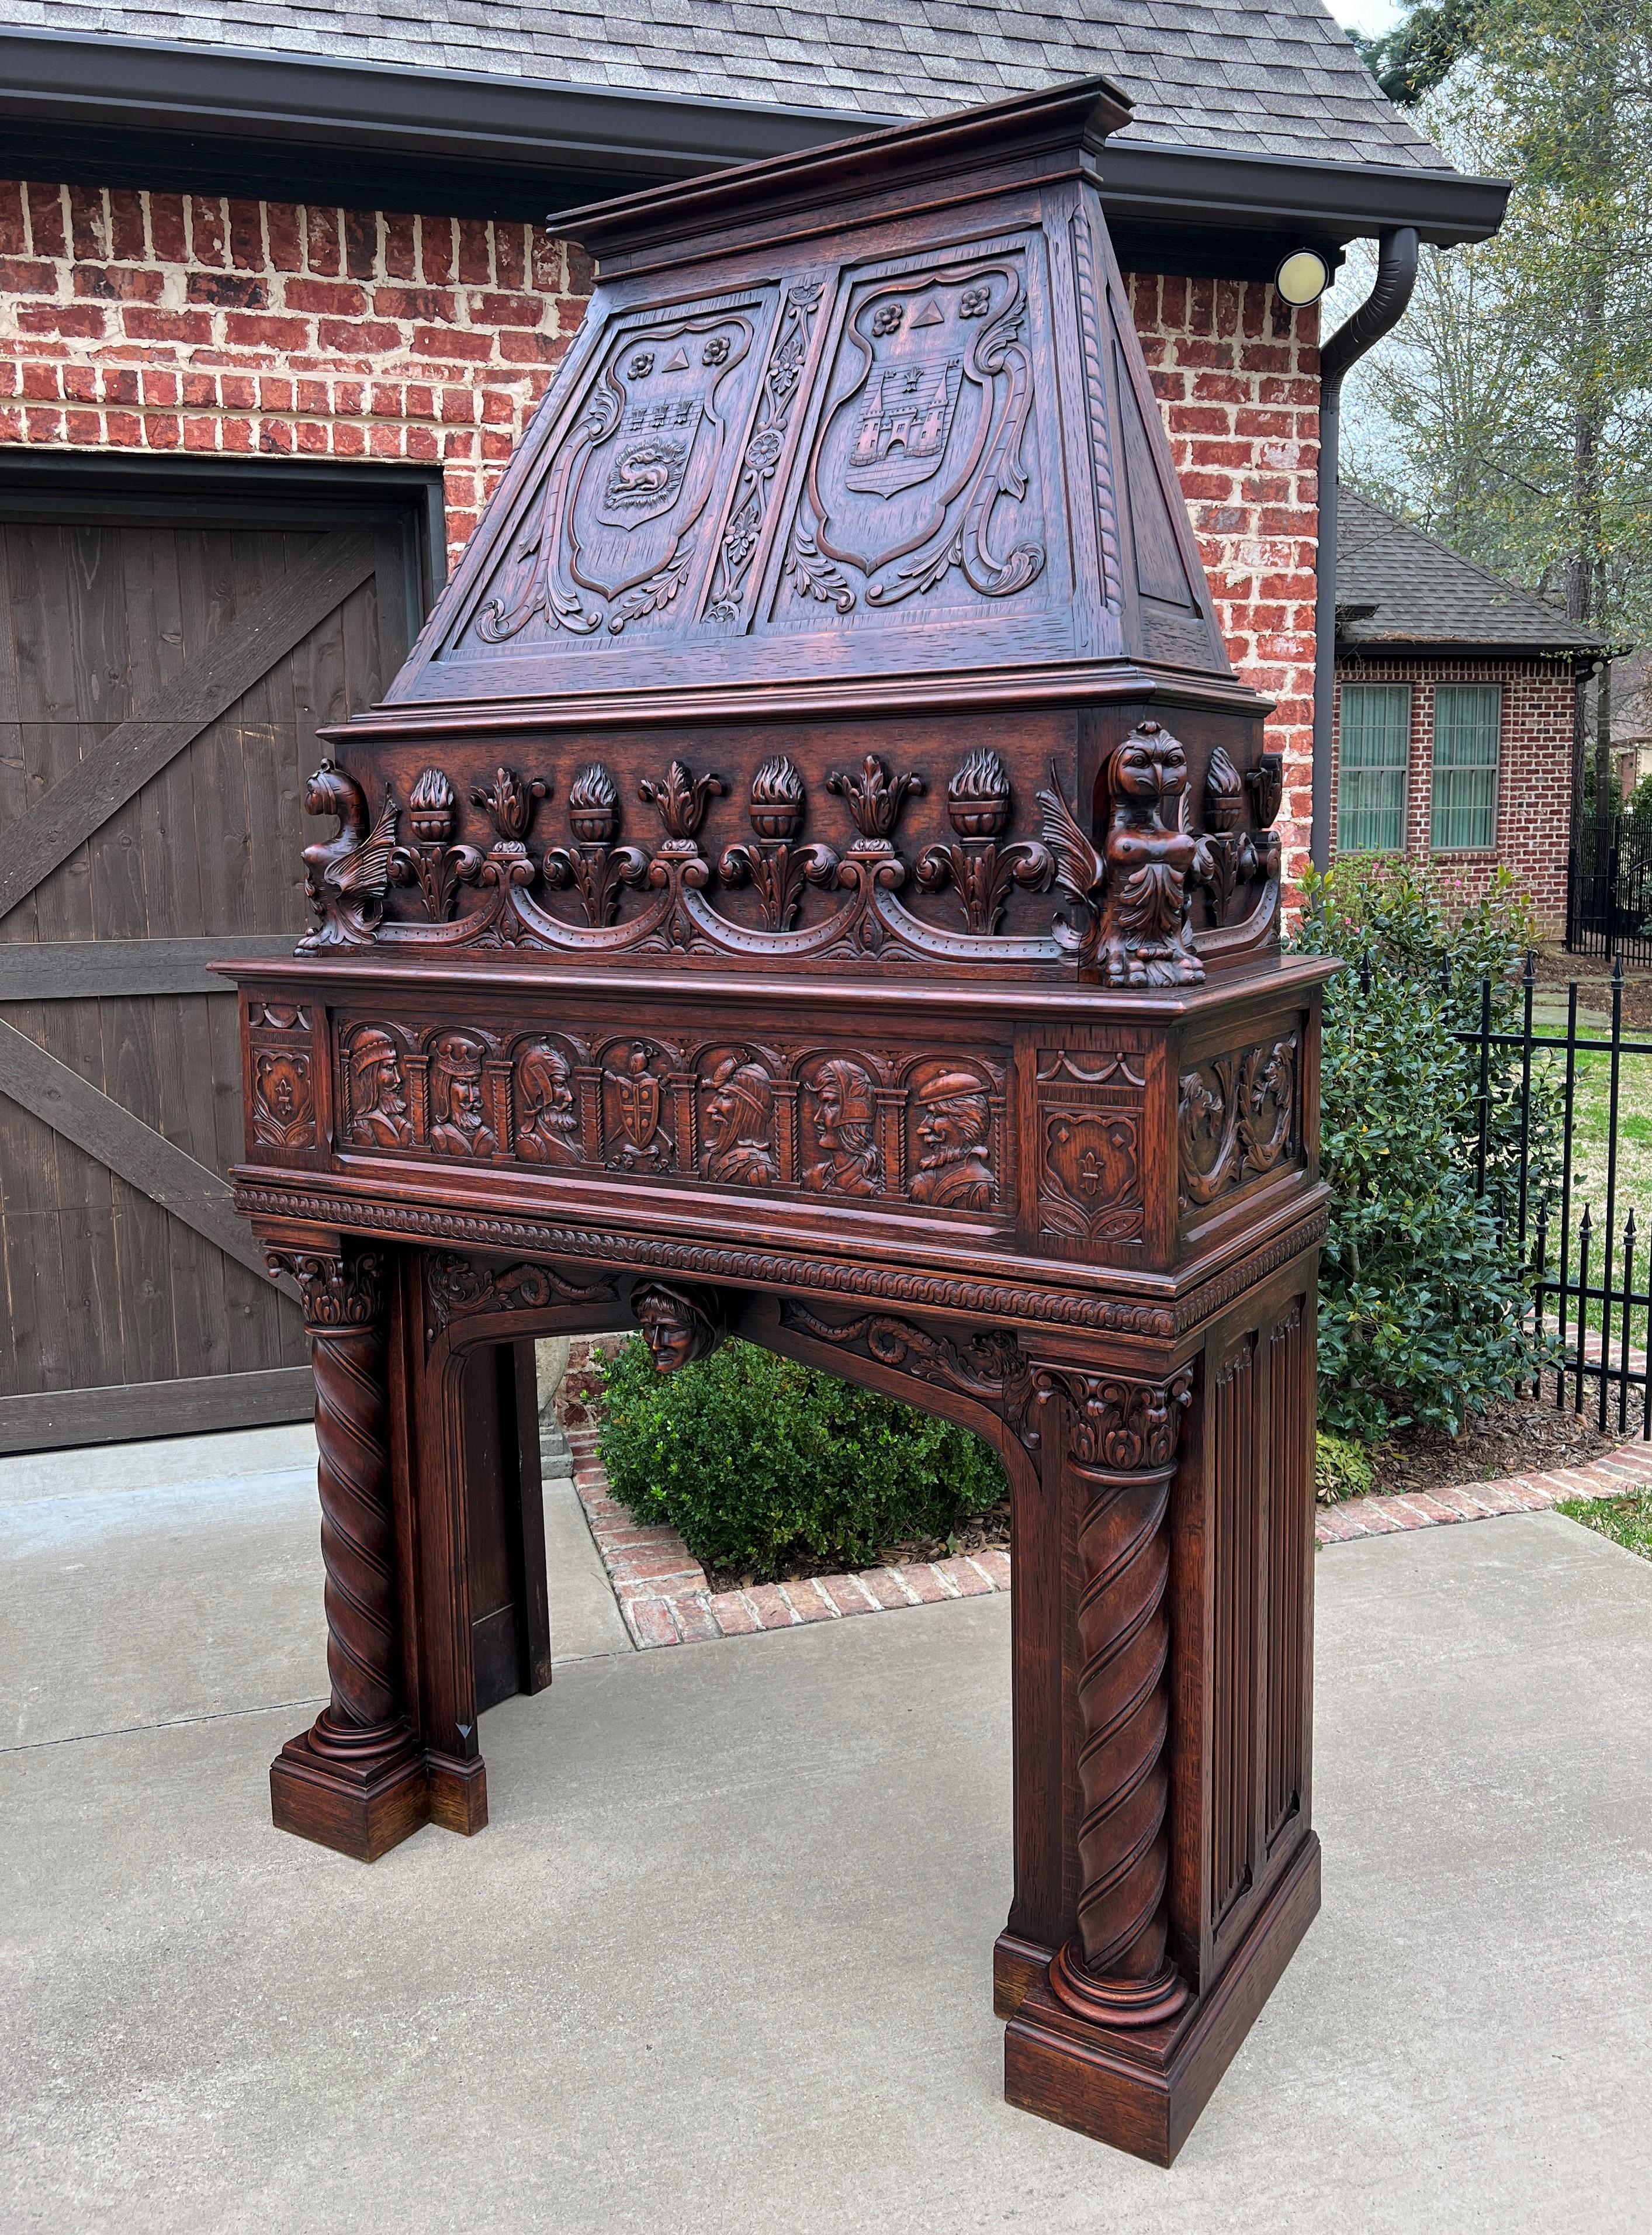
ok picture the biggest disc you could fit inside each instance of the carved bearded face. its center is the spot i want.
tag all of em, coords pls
(737, 1107)
(377, 1075)
(952, 1120)
(545, 1083)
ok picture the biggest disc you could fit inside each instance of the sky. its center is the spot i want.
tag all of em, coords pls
(1369, 18)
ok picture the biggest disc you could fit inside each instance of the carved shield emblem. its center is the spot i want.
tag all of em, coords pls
(920, 465)
(639, 1100)
(1090, 1185)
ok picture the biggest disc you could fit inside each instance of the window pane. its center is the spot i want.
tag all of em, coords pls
(1375, 739)
(1468, 716)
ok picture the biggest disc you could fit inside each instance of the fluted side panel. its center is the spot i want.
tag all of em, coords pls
(1233, 1764)
(1289, 1539)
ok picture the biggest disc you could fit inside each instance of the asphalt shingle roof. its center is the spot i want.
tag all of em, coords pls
(1273, 78)
(1425, 593)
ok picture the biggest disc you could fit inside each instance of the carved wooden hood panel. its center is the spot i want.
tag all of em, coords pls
(840, 610)
(871, 412)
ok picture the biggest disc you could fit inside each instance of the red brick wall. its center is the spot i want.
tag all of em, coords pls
(1534, 769)
(193, 323)
(1237, 372)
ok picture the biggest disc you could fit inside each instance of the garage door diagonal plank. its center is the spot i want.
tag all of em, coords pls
(71, 1106)
(225, 671)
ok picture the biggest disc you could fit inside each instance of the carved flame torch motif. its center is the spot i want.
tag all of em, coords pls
(983, 873)
(597, 869)
(1122, 1438)
(777, 868)
(434, 866)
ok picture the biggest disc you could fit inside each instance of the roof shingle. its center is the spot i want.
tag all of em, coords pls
(1256, 77)
(1423, 592)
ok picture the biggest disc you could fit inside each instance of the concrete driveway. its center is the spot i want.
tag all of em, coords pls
(720, 1962)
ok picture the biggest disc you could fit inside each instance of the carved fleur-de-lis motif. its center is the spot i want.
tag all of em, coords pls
(599, 869)
(510, 801)
(982, 872)
(682, 799)
(875, 798)
(777, 868)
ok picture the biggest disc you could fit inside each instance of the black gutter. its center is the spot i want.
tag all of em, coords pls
(1382, 311)
(152, 88)
(220, 120)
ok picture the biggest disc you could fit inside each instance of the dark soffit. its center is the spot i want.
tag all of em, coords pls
(87, 109)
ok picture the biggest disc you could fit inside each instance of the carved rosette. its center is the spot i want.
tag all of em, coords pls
(1122, 1438)
(343, 1301)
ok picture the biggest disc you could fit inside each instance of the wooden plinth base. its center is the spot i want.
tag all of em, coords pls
(1144, 2093)
(365, 1811)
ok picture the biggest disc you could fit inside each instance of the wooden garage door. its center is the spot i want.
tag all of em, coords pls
(163, 670)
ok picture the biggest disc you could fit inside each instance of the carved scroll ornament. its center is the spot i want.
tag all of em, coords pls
(1236, 1118)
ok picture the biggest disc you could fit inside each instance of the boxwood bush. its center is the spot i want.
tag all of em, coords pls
(763, 1465)
(1424, 1294)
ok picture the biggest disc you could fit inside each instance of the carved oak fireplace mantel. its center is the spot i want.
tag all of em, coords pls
(815, 879)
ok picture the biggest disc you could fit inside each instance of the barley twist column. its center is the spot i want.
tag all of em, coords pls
(344, 1311)
(1122, 1438)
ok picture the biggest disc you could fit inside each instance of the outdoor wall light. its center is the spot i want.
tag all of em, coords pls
(1302, 277)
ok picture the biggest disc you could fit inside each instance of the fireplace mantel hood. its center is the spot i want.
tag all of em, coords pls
(836, 422)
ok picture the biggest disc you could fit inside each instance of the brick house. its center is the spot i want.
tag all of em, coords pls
(1456, 737)
(277, 298)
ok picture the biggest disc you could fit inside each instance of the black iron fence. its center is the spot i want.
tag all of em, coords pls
(1561, 1093)
(1609, 896)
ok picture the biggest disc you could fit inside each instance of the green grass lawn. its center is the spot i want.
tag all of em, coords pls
(1626, 1520)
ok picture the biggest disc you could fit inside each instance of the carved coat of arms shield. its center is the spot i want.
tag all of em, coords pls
(922, 440)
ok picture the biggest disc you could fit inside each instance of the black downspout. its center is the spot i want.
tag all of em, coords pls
(1382, 311)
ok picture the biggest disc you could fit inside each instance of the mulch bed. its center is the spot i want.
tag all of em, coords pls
(1517, 1436)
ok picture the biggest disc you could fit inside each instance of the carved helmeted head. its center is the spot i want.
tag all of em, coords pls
(1150, 767)
(547, 1088)
(740, 1106)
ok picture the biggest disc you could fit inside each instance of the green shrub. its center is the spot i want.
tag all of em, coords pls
(1342, 1468)
(762, 1464)
(1424, 1294)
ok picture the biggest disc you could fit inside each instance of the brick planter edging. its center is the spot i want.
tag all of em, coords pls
(1608, 1477)
(666, 1597)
